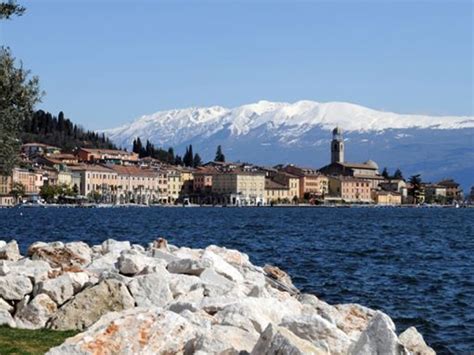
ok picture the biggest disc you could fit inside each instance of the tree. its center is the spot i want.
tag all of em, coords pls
(398, 175)
(18, 190)
(385, 173)
(197, 160)
(10, 8)
(18, 95)
(178, 160)
(188, 156)
(170, 156)
(220, 157)
(417, 190)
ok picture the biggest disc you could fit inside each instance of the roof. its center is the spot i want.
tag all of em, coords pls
(347, 178)
(133, 170)
(91, 167)
(273, 185)
(448, 183)
(368, 165)
(106, 151)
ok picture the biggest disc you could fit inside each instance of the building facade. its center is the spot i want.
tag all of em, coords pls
(241, 188)
(350, 189)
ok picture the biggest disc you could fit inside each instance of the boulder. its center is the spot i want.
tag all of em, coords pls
(15, 287)
(210, 277)
(279, 340)
(104, 263)
(151, 290)
(188, 253)
(221, 266)
(181, 284)
(5, 306)
(134, 331)
(226, 339)
(60, 289)
(231, 256)
(319, 331)
(414, 342)
(36, 270)
(131, 262)
(91, 304)
(35, 314)
(6, 319)
(379, 338)
(353, 318)
(4, 268)
(72, 256)
(279, 279)
(188, 266)
(10, 251)
(323, 309)
(114, 246)
(162, 255)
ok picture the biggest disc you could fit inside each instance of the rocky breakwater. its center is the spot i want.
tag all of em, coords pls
(162, 299)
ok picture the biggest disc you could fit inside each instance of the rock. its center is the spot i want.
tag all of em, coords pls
(163, 255)
(160, 243)
(107, 263)
(231, 256)
(225, 339)
(10, 251)
(114, 246)
(5, 306)
(188, 266)
(79, 280)
(134, 331)
(353, 318)
(4, 268)
(210, 277)
(131, 262)
(188, 253)
(379, 338)
(73, 255)
(179, 307)
(35, 314)
(15, 287)
(6, 319)
(279, 279)
(2, 243)
(60, 289)
(36, 270)
(414, 342)
(279, 340)
(325, 310)
(138, 248)
(92, 303)
(320, 332)
(151, 290)
(181, 284)
(222, 267)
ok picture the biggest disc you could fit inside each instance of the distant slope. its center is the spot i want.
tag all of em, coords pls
(61, 132)
(275, 132)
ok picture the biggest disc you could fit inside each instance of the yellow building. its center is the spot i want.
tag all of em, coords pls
(174, 185)
(276, 192)
(239, 187)
(389, 198)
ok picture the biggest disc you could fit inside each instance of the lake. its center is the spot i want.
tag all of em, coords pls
(415, 264)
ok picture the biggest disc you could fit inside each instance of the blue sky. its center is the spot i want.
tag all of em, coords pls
(105, 63)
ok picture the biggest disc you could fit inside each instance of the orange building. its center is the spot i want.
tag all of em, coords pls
(311, 182)
(350, 189)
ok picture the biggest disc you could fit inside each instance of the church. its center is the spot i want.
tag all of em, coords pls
(367, 171)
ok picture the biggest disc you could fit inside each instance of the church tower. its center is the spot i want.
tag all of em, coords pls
(337, 146)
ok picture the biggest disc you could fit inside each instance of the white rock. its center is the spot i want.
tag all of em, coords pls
(279, 340)
(188, 253)
(7, 319)
(10, 251)
(60, 289)
(188, 266)
(182, 284)
(222, 267)
(139, 248)
(210, 277)
(162, 254)
(114, 246)
(320, 332)
(14, 287)
(5, 306)
(353, 318)
(103, 263)
(414, 342)
(79, 280)
(151, 290)
(35, 314)
(4, 268)
(379, 338)
(131, 262)
(134, 331)
(2, 243)
(74, 255)
(232, 256)
(226, 339)
(80, 250)
(36, 270)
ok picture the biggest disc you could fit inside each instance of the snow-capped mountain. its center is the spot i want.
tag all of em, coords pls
(275, 132)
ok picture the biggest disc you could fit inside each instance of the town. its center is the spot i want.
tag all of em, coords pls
(117, 177)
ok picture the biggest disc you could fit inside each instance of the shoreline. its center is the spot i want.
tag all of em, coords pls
(210, 300)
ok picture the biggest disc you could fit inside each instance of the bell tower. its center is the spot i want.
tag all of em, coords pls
(337, 146)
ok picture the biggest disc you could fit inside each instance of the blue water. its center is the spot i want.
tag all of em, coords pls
(417, 265)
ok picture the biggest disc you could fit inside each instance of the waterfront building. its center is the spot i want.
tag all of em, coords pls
(202, 182)
(389, 198)
(349, 189)
(276, 192)
(31, 180)
(312, 184)
(137, 185)
(435, 193)
(293, 184)
(453, 190)
(174, 185)
(6, 199)
(97, 182)
(107, 156)
(31, 149)
(240, 187)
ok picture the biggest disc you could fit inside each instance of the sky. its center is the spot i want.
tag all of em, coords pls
(105, 63)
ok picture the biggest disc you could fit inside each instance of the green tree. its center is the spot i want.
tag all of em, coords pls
(18, 190)
(417, 190)
(220, 157)
(197, 160)
(398, 175)
(10, 8)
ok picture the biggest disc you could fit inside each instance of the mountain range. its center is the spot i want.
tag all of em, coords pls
(269, 133)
